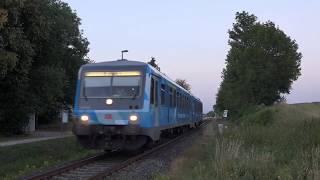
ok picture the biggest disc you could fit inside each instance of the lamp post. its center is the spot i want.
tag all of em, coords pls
(123, 51)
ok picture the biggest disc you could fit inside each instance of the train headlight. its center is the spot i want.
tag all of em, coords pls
(84, 118)
(109, 101)
(133, 118)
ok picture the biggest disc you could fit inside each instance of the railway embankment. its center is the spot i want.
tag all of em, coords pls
(32, 159)
(21, 159)
(158, 163)
(282, 142)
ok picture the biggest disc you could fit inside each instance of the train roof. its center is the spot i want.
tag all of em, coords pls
(173, 82)
(117, 63)
(137, 63)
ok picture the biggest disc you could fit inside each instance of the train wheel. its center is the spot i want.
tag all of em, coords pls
(134, 143)
(150, 144)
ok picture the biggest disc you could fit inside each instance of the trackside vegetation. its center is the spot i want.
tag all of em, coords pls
(287, 147)
(23, 159)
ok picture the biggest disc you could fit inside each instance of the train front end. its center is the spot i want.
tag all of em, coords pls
(111, 106)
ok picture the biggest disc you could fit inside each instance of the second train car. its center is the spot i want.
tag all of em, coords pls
(126, 104)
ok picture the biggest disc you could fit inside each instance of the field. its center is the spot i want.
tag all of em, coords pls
(282, 143)
(25, 158)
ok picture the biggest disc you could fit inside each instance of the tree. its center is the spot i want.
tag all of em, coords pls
(211, 114)
(16, 53)
(261, 65)
(38, 68)
(153, 63)
(61, 50)
(183, 83)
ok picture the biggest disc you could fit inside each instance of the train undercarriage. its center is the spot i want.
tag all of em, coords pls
(112, 141)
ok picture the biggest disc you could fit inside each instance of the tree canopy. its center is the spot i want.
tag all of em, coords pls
(211, 114)
(261, 64)
(41, 50)
(183, 83)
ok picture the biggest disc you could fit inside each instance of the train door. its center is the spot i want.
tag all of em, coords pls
(154, 100)
(172, 103)
(164, 108)
(178, 102)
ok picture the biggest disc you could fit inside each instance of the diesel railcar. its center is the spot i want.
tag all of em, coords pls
(126, 104)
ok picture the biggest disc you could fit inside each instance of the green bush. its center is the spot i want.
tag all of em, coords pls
(256, 115)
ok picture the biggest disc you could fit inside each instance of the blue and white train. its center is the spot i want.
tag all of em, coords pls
(128, 104)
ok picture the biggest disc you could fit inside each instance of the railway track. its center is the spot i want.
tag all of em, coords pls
(102, 165)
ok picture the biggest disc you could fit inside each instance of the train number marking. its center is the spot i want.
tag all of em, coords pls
(108, 116)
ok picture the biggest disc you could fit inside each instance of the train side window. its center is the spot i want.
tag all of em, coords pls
(152, 91)
(187, 104)
(174, 98)
(180, 100)
(178, 97)
(183, 103)
(163, 94)
(156, 93)
(170, 97)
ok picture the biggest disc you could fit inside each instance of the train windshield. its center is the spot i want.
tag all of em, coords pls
(112, 84)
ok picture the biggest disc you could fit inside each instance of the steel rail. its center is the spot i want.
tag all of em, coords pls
(73, 165)
(134, 159)
(48, 173)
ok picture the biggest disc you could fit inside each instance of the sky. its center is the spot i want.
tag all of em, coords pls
(189, 38)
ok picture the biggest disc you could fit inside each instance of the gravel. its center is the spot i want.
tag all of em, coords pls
(157, 163)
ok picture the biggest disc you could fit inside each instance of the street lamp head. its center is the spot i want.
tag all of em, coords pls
(123, 51)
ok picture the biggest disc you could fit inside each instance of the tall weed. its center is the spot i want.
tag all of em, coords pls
(279, 142)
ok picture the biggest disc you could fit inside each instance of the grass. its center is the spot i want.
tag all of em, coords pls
(287, 147)
(22, 159)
